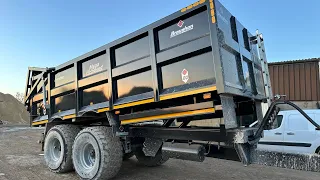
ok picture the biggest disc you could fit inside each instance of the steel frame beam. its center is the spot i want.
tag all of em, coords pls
(201, 134)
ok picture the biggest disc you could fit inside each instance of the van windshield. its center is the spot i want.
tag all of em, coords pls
(277, 122)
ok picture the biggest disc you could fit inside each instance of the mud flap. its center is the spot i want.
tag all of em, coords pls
(244, 152)
(243, 145)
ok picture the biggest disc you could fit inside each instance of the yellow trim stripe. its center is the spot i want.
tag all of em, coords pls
(133, 103)
(183, 9)
(211, 5)
(213, 17)
(69, 116)
(187, 93)
(166, 116)
(195, 4)
(40, 122)
(212, 12)
(192, 5)
(103, 110)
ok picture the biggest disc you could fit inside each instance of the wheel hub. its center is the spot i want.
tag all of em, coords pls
(55, 150)
(88, 156)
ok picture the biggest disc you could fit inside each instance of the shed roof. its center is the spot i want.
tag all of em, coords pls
(295, 61)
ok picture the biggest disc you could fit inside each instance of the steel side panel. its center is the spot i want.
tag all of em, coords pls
(65, 76)
(60, 115)
(148, 74)
(64, 88)
(132, 101)
(121, 69)
(134, 85)
(94, 95)
(198, 68)
(167, 111)
(93, 79)
(169, 95)
(216, 52)
(235, 58)
(93, 65)
(143, 30)
(64, 103)
(173, 33)
(99, 107)
(132, 66)
(170, 116)
(197, 44)
(131, 51)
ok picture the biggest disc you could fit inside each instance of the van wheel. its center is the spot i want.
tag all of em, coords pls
(150, 161)
(58, 148)
(97, 154)
(318, 151)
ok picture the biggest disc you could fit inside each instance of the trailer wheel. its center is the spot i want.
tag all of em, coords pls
(150, 161)
(97, 154)
(58, 148)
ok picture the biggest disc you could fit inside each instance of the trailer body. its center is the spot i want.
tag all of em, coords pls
(201, 48)
(197, 63)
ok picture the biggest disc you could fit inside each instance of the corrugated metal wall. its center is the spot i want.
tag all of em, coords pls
(298, 80)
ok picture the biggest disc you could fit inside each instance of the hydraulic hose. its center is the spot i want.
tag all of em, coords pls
(271, 109)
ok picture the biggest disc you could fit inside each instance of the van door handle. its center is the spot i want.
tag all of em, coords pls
(290, 133)
(277, 133)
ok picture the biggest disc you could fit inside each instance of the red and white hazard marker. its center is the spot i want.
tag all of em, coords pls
(185, 75)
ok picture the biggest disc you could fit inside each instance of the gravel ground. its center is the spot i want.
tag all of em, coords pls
(20, 158)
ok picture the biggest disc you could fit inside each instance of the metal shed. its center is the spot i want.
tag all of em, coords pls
(298, 80)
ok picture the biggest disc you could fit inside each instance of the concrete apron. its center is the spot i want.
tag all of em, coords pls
(305, 162)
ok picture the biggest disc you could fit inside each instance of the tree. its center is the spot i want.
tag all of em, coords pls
(20, 97)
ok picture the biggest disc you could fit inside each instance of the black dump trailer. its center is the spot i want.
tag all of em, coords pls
(139, 94)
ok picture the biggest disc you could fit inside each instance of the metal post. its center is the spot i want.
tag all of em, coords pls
(154, 66)
(229, 112)
(265, 71)
(44, 101)
(76, 87)
(264, 65)
(259, 110)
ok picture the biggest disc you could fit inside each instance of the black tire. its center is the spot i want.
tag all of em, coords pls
(318, 151)
(97, 154)
(150, 161)
(128, 156)
(58, 148)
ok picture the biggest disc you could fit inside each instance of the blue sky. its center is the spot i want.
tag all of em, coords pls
(48, 33)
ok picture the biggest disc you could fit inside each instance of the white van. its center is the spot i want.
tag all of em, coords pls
(293, 133)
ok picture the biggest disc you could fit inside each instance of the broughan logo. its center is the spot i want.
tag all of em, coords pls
(180, 23)
(181, 31)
